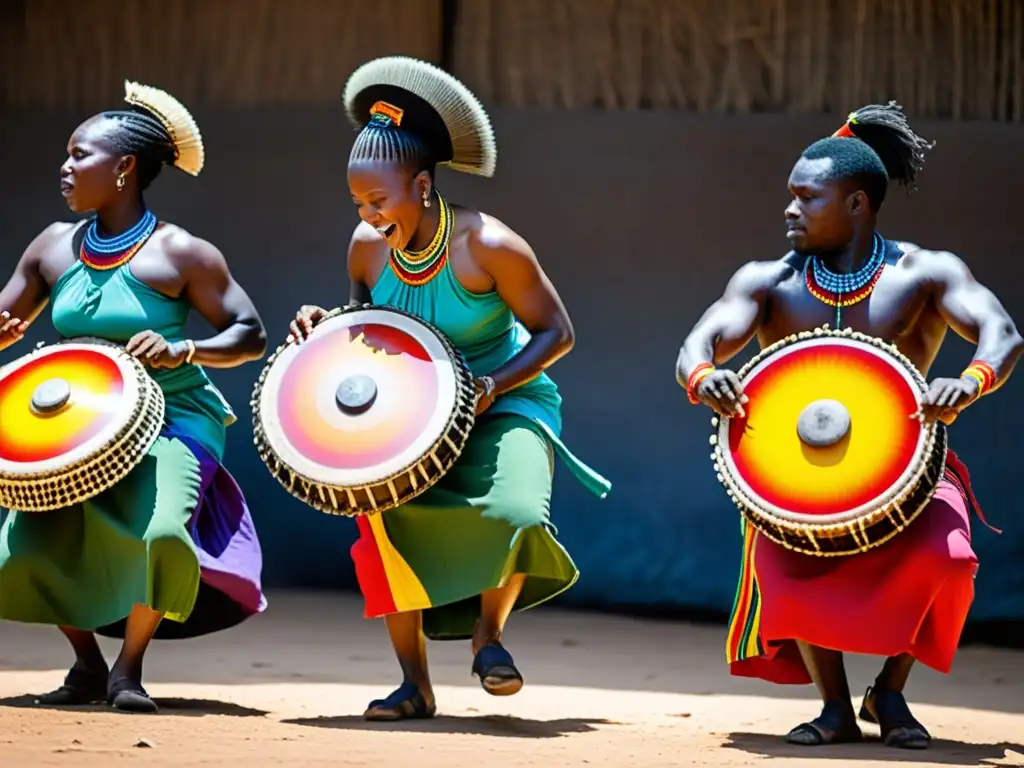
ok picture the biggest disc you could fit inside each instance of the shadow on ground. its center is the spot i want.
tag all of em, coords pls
(321, 637)
(187, 707)
(941, 751)
(481, 725)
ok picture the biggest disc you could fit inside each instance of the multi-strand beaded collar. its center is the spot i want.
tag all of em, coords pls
(106, 253)
(845, 290)
(420, 267)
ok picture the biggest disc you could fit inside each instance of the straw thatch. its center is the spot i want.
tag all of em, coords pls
(940, 58)
(77, 53)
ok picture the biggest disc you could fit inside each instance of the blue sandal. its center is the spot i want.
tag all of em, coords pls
(404, 703)
(889, 711)
(835, 725)
(497, 670)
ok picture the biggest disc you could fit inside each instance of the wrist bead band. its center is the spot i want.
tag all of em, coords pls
(697, 375)
(488, 385)
(983, 373)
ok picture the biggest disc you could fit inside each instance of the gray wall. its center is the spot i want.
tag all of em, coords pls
(639, 219)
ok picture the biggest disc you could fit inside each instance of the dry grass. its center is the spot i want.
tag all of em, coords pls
(941, 58)
(961, 59)
(58, 53)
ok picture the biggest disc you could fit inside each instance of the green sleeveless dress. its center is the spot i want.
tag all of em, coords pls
(488, 518)
(176, 523)
(115, 305)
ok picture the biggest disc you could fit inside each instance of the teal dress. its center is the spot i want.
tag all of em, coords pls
(488, 518)
(175, 531)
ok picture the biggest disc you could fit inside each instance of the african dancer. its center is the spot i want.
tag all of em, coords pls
(480, 543)
(171, 550)
(908, 599)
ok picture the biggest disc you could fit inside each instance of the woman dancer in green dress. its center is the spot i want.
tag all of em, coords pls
(171, 550)
(479, 543)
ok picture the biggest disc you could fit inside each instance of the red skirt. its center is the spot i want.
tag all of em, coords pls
(910, 595)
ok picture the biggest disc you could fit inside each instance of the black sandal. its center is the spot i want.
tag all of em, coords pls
(128, 696)
(80, 687)
(497, 670)
(406, 702)
(835, 725)
(889, 711)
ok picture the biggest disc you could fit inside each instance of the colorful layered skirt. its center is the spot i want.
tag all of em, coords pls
(910, 595)
(175, 535)
(487, 519)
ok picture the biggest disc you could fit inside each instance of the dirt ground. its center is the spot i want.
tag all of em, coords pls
(288, 688)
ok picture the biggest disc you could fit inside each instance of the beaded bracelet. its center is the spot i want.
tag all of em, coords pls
(983, 373)
(487, 385)
(700, 372)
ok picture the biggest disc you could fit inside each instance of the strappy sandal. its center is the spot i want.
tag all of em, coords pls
(80, 687)
(889, 711)
(497, 670)
(835, 725)
(406, 702)
(126, 695)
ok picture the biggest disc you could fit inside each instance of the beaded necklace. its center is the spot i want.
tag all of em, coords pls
(104, 253)
(845, 290)
(420, 267)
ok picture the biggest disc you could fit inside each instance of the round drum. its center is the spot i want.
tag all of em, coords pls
(366, 413)
(830, 458)
(75, 418)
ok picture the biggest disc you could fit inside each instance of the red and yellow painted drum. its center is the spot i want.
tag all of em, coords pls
(75, 418)
(830, 458)
(367, 413)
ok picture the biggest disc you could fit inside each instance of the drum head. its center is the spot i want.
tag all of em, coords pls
(367, 395)
(829, 432)
(62, 404)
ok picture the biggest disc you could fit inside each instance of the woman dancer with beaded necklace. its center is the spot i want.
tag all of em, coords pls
(480, 542)
(185, 551)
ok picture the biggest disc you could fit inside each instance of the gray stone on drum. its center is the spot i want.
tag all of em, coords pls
(51, 396)
(823, 423)
(356, 394)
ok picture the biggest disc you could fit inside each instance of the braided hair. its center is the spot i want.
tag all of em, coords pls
(413, 113)
(383, 139)
(874, 146)
(157, 130)
(885, 129)
(136, 132)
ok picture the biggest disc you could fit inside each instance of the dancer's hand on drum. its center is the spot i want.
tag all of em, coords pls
(945, 399)
(152, 349)
(306, 319)
(11, 329)
(723, 392)
(485, 394)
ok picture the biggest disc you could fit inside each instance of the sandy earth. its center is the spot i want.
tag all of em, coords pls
(288, 689)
